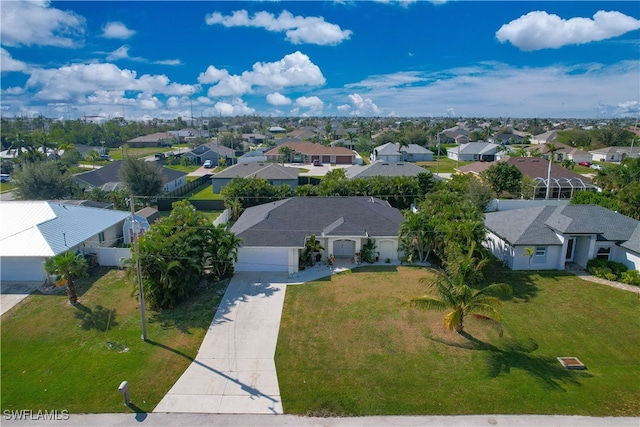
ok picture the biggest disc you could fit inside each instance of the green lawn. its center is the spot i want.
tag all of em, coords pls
(57, 356)
(205, 192)
(181, 168)
(6, 186)
(352, 345)
(116, 153)
(443, 165)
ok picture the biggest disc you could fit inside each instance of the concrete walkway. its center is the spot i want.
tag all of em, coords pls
(584, 275)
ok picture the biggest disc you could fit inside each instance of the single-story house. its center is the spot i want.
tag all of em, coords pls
(107, 178)
(211, 151)
(562, 234)
(274, 234)
(392, 152)
(564, 182)
(152, 140)
(273, 173)
(382, 168)
(576, 155)
(614, 154)
(253, 138)
(307, 152)
(34, 231)
(506, 139)
(475, 151)
(545, 138)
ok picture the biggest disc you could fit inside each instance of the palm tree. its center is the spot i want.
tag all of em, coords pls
(285, 152)
(528, 252)
(311, 245)
(461, 300)
(68, 266)
(551, 149)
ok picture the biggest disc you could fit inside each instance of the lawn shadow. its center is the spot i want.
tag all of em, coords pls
(523, 285)
(100, 318)
(514, 354)
(193, 313)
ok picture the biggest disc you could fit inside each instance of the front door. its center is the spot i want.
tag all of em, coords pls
(571, 248)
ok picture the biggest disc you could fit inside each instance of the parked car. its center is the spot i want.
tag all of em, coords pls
(587, 164)
(5, 177)
(208, 164)
(317, 163)
(105, 157)
(597, 167)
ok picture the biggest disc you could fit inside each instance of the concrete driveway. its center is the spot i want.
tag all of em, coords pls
(234, 370)
(12, 293)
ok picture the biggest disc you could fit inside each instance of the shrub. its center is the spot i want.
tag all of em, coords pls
(606, 269)
(631, 277)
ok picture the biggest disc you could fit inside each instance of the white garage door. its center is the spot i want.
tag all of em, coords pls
(22, 270)
(387, 250)
(263, 259)
(344, 248)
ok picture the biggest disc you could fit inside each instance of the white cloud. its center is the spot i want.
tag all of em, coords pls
(486, 90)
(402, 78)
(363, 106)
(278, 99)
(120, 53)
(541, 30)
(7, 63)
(27, 23)
(230, 86)
(295, 69)
(344, 108)
(235, 108)
(298, 29)
(212, 75)
(76, 81)
(313, 104)
(117, 30)
(168, 62)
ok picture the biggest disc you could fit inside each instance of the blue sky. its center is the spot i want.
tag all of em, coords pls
(161, 59)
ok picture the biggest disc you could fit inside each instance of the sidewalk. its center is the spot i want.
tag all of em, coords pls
(127, 420)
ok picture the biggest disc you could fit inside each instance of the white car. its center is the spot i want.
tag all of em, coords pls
(597, 167)
(208, 164)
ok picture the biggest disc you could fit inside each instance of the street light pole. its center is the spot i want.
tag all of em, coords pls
(138, 268)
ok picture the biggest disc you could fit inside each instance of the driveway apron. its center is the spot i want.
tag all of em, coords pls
(234, 370)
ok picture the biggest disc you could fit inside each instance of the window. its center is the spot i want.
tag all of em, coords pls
(603, 253)
(101, 237)
(541, 251)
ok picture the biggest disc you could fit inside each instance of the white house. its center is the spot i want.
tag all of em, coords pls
(33, 231)
(274, 234)
(392, 152)
(614, 154)
(562, 234)
(475, 151)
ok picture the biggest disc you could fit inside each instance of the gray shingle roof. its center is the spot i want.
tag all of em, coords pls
(286, 223)
(260, 170)
(538, 226)
(523, 226)
(382, 168)
(110, 174)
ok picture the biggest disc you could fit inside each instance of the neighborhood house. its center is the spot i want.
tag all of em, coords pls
(560, 235)
(274, 234)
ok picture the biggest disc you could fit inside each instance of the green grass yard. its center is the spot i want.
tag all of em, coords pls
(352, 345)
(443, 165)
(57, 356)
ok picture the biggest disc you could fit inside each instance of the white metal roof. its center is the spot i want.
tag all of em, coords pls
(42, 229)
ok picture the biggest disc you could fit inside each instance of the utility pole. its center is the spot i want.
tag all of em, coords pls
(138, 267)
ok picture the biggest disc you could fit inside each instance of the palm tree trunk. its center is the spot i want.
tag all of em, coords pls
(71, 291)
(460, 326)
